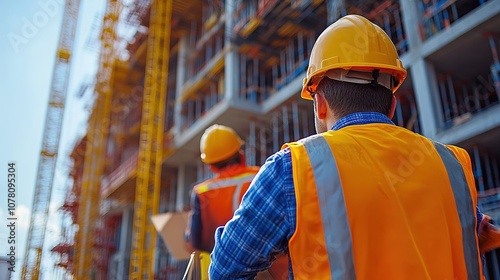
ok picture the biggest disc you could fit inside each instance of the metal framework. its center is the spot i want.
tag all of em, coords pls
(50, 144)
(147, 192)
(89, 202)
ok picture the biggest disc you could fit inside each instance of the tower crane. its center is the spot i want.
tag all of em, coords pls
(50, 143)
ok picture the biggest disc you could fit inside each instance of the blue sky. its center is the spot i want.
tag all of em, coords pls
(29, 31)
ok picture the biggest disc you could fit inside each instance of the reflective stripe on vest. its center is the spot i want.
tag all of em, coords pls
(333, 211)
(334, 214)
(464, 204)
(237, 181)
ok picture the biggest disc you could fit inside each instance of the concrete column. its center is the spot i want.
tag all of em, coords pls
(424, 80)
(335, 10)
(180, 80)
(181, 181)
(411, 23)
(496, 266)
(231, 77)
(172, 195)
(186, 178)
(123, 253)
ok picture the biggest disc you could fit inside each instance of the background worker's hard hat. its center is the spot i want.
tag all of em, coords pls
(352, 43)
(219, 143)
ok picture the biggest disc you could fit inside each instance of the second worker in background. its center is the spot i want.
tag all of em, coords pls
(214, 201)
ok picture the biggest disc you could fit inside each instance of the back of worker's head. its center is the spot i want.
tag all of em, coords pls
(356, 59)
(345, 98)
(220, 146)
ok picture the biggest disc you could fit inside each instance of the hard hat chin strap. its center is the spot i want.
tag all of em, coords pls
(375, 74)
(362, 77)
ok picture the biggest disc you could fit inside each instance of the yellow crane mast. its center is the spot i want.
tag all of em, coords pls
(50, 144)
(89, 201)
(150, 159)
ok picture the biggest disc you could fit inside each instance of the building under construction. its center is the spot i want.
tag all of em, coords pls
(192, 63)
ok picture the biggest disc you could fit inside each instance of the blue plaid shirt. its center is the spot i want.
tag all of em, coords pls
(266, 220)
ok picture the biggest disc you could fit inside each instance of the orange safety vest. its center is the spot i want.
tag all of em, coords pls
(377, 201)
(220, 197)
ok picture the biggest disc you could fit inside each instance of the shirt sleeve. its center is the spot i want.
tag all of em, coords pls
(479, 217)
(260, 227)
(193, 234)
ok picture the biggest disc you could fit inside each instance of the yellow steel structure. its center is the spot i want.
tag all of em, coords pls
(147, 193)
(50, 144)
(89, 201)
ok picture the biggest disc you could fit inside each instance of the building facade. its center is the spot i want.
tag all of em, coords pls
(241, 63)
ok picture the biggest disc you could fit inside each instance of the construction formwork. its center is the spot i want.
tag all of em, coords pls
(485, 165)
(268, 58)
(438, 15)
(274, 40)
(462, 98)
(203, 58)
(287, 123)
(386, 14)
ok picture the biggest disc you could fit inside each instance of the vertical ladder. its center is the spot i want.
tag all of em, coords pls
(50, 144)
(89, 201)
(147, 191)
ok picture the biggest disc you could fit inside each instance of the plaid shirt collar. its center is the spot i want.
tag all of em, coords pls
(361, 118)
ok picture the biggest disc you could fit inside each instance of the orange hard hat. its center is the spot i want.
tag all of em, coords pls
(350, 50)
(219, 143)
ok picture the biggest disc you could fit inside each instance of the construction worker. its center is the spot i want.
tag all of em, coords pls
(364, 198)
(214, 201)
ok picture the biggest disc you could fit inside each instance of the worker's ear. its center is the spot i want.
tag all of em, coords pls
(321, 106)
(393, 107)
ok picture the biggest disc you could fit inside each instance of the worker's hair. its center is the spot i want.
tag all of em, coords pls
(234, 160)
(346, 98)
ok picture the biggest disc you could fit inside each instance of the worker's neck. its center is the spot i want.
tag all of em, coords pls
(229, 171)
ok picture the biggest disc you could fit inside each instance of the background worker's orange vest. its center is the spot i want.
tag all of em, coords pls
(220, 197)
(377, 201)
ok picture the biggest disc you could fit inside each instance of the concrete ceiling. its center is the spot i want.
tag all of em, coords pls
(469, 55)
(488, 142)
(237, 115)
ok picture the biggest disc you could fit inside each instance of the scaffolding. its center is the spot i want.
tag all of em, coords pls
(204, 88)
(150, 158)
(387, 15)
(271, 58)
(486, 173)
(290, 122)
(406, 114)
(50, 143)
(66, 248)
(98, 128)
(437, 15)
(461, 99)
(104, 244)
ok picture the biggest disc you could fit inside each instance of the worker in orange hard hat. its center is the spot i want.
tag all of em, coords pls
(214, 201)
(363, 198)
